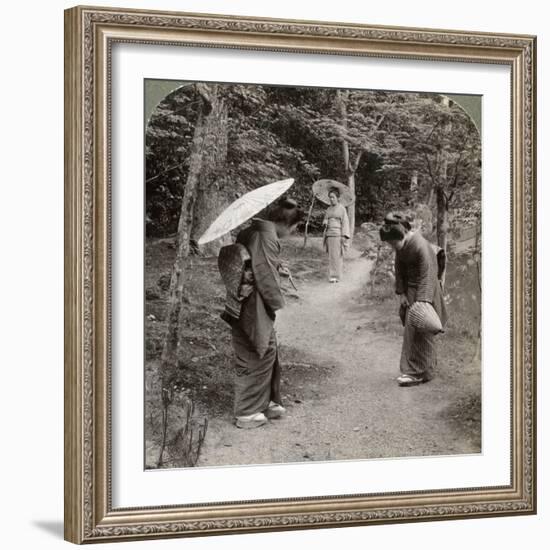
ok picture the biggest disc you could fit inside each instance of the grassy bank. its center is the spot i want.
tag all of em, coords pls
(459, 360)
(204, 370)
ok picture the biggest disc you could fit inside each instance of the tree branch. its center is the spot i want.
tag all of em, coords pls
(343, 115)
(206, 96)
(364, 149)
(433, 130)
(358, 160)
(152, 178)
(457, 165)
(380, 120)
(450, 197)
(428, 164)
(454, 185)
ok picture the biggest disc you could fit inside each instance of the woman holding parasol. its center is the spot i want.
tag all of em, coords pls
(257, 369)
(336, 232)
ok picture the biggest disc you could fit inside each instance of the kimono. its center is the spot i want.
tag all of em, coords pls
(416, 276)
(257, 369)
(337, 229)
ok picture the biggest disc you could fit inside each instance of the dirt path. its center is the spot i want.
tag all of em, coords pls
(348, 406)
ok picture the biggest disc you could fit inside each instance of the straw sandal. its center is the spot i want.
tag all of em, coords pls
(274, 410)
(251, 421)
(406, 380)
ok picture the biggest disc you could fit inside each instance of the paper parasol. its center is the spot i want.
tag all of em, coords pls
(244, 208)
(321, 188)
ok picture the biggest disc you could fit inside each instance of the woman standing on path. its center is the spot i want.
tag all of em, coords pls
(257, 370)
(336, 235)
(416, 280)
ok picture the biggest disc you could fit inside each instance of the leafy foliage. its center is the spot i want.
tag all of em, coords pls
(278, 132)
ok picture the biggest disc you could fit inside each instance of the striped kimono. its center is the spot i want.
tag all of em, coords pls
(416, 272)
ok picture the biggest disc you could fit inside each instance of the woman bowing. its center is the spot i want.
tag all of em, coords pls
(421, 296)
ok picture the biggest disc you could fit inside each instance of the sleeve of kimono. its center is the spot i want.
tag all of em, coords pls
(325, 219)
(345, 224)
(265, 262)
(399, 283)
(427, 275)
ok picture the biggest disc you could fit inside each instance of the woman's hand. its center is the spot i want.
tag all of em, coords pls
(403, 301)
(284, 271)
(345, 243)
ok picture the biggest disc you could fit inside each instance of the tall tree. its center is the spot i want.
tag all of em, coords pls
(209, 126)
(211, 189)
(168, 141)
(363, 123)
(373, 140)
(444, 144)
(350, 164)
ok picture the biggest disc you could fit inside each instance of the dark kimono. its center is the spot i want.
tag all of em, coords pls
(257, 369)
(416, 275)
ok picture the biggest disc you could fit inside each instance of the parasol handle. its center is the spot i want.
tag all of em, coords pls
(292, 282)
(307, 221)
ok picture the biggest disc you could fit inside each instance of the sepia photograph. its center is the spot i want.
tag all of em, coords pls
(312, 281)
(300, 273)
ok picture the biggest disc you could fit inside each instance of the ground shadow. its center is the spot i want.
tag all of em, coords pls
(53, 527)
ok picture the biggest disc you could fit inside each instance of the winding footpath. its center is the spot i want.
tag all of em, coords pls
(350, 409)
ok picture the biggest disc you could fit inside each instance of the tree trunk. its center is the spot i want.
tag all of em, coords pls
(210, 197)
(442, 219)
(197, 156)
(351, 208)
(414, 187)
(477, 256)
(341, 98)
(440, 197)
(429, 198)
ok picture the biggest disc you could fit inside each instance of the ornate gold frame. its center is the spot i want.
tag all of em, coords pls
(89, 35)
